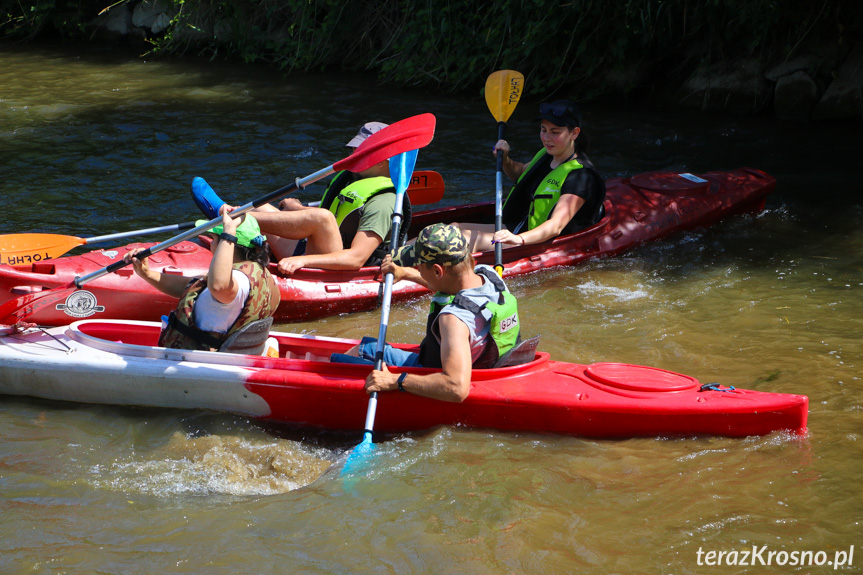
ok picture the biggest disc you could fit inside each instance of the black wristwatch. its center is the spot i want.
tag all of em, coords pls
(225, 236)
(401, 380)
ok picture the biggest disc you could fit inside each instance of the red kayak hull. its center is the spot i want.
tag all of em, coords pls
(643, 208)
(96, 361)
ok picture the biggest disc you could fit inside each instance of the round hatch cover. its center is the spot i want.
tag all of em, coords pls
(639, 377)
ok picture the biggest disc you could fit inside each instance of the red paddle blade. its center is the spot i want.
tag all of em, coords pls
(426, 188)
(409, 134)
(22, 249)
(20, 309)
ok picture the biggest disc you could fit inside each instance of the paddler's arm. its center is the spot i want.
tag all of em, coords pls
(451, 384)
(353, 258)
(220, 277)
(170, 284)
(564, 210)
(511, 168)
(400, 273)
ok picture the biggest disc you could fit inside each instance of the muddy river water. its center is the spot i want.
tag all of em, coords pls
(100, 143)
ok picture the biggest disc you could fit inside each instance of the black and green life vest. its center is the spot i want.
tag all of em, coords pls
(182, 331)
(538, 198)
(345, 197)
(504, 329)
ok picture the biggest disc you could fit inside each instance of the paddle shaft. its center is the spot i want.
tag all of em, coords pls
(403, 170)
(498, 202)
(299, 184)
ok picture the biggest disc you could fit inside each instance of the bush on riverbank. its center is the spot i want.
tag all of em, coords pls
(588, 47)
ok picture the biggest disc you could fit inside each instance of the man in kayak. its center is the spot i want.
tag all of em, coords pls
(472, 323)
(557, 192)
(350, 229)
(236, 291)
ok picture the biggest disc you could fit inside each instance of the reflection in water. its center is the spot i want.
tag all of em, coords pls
(215, 464)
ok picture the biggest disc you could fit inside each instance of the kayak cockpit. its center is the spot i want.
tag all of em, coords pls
(139, 338)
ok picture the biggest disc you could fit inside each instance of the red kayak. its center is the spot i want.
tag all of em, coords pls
(112, 362)
(639, 209)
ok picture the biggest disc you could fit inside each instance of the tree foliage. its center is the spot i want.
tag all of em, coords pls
(592, 46)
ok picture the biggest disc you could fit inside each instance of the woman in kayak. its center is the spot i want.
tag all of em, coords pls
(237, 290)
(557, 192)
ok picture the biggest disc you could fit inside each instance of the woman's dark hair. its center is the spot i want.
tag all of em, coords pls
(582, 142)
(259, 254)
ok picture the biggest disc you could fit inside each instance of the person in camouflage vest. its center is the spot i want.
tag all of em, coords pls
(473, 319)
(237, 290)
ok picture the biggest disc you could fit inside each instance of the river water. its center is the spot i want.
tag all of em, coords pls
(96, 143)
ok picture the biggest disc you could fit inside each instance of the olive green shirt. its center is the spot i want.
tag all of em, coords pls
(378, 215)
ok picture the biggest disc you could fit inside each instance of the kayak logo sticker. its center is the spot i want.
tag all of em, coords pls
(80, 304)
(111, 254)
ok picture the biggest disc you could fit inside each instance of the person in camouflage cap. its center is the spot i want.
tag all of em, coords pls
(472, 323)
(237, 290)
(436, 244)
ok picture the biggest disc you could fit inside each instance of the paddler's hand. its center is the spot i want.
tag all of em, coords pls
(288, 266)
(501, 146)
(389, 266)
(141, 267)
(382, 380)
(229, 224)
(507, 237)
(226, 209)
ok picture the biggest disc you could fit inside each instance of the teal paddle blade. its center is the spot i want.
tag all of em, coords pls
(402, 169)
(359, 456)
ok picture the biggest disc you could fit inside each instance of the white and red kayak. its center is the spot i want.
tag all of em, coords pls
(639, 209)
(113, 362)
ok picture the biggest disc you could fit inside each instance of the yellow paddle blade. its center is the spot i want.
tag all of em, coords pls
(502, 92)
(22, 249)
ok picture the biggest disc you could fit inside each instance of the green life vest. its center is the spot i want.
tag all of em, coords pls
(182, 331)
(345, 197)
(504, 328)
(547, 193)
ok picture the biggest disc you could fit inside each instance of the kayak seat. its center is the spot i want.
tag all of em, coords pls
(523, 352)
(250, 339)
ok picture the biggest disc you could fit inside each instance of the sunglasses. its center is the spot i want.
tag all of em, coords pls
(560, 110)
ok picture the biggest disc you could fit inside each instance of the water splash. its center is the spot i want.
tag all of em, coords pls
(215, 464)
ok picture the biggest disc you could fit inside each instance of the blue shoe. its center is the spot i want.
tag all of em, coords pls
(205, 198)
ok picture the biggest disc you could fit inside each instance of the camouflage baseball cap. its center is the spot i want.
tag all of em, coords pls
(437, 244)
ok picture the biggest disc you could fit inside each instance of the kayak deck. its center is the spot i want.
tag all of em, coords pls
(103, 361)
(645, 207)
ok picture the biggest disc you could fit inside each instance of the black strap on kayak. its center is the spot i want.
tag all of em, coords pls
(715, 387)
(194, 333)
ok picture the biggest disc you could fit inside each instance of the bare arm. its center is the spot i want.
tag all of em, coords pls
(220, 278)
(172, 285)
(452, 383)
(511, 168)
(563, 212)
(400, 273)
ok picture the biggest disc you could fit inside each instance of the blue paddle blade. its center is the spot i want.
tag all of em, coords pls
(402, 169)
(356, 461)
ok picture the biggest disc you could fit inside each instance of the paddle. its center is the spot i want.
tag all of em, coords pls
(426, 187)
(401, 168)
(408, 134)
(502, 92)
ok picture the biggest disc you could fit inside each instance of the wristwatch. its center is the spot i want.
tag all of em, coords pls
(401, 381)
(225, 236)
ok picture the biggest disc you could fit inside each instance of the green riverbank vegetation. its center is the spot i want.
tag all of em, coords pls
(591, 46)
